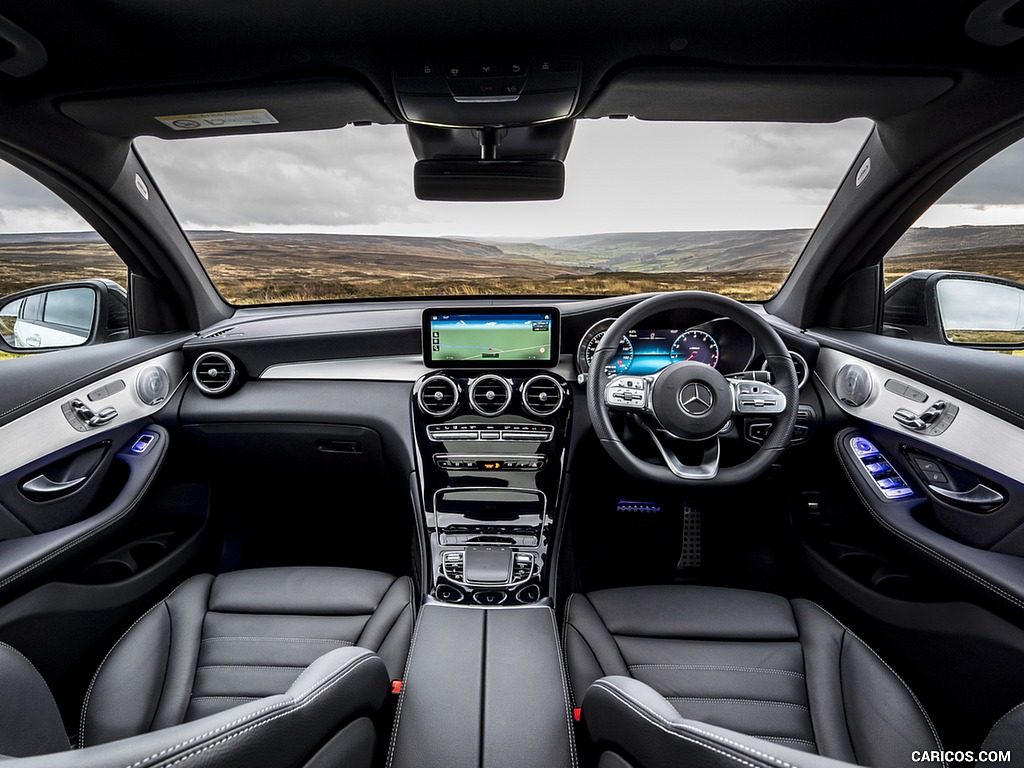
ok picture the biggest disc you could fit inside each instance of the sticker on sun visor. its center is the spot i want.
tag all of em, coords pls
(205, 121)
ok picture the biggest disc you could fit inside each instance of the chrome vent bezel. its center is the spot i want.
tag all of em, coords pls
(802, 377)
(224, 361)
(438, 379)
(547, 409)
(505, 385)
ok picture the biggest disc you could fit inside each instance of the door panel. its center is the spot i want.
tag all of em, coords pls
(963, 506)
(72, 469)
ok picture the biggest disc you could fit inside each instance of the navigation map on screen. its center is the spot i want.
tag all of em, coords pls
(489, 338)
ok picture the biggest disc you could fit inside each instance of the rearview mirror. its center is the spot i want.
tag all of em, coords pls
(63, 315)
(489, 180)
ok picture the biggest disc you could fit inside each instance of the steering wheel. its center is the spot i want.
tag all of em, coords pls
(691, 401)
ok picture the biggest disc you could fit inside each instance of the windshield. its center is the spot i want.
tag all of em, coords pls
(647, 207)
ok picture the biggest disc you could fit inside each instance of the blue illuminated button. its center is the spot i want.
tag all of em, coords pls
(887, 483)
(878, 467)
(142, 444)
(863, 446)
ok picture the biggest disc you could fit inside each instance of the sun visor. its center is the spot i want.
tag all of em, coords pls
(667, 93)
(264, 108)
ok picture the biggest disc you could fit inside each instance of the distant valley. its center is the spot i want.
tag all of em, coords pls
(259, 268)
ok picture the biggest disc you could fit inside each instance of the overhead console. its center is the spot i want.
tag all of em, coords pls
(491, 429)
(478, 92)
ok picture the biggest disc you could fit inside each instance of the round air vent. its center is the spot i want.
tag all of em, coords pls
(438, 396)
(542, 395)
(853, 384)
(803, 371)
(153, 385)
(490, 395)
(214, 373)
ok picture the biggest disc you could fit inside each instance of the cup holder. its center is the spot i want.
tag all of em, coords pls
(138, 552)
(880, 575)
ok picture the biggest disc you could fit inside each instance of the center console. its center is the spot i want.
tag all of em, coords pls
(491, 427)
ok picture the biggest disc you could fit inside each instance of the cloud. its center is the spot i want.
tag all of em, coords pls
(998, 181)
(804, 160)
(354, 176)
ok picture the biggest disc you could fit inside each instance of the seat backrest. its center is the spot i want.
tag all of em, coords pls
(30, 723)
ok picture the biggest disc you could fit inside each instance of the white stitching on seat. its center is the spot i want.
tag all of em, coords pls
(727, 700)
(663, 725)
(565, 690)
(249, 666)
(996, 723)
(769, 737)
(655, 719)
(95, 677)
(719, 668)
(853, 634)
(336, 674)
(228, 698)
(405, 686)
(251, 639)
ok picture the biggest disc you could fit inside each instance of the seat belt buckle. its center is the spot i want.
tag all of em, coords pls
(396, 687)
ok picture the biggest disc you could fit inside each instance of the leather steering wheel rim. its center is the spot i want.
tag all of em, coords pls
(780, 364)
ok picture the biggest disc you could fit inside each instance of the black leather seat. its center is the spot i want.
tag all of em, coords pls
(706, 667)
(268, 667)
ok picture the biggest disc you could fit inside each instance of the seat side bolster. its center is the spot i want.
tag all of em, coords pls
(821, 640)
(1008, 733)
(630, 719)
(883, 718)
(590, 649)
(389, 630)
(124, 694)
(288, 729)
(31, 722)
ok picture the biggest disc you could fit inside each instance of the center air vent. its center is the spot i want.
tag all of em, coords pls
(490, 395)
(542, 395)
(214, 373)
(438, 396)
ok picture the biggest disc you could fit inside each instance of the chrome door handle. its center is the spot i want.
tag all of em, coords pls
(44, 486)
(979, 496)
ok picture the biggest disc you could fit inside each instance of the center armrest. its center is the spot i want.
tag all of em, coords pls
(484, 687)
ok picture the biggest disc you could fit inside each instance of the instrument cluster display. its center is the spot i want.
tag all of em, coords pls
(644, 351)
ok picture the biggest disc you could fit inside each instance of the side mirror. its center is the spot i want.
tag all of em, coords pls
(63, 315)
(982, 312)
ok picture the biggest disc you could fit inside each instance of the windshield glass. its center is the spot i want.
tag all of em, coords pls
(647, 206)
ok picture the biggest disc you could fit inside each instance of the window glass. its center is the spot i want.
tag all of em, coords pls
(48, 250)
(957, 276)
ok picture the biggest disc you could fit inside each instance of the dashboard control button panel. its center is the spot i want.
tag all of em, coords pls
(879, 469)
(502, 463)
(536, 433)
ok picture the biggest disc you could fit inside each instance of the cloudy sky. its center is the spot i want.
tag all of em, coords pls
(620, 176)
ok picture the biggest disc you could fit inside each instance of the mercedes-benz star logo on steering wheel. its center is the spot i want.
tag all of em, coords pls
(696, 398)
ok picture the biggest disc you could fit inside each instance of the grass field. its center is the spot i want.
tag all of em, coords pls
(261, 269)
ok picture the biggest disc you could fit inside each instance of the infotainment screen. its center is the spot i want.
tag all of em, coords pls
(490, 337)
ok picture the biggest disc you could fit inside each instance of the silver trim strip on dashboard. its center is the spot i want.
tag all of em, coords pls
(395, 368)
(974, 434)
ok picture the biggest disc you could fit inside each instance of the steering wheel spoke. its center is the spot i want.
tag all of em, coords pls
(630, 394)
(705, 470)
(756, 398)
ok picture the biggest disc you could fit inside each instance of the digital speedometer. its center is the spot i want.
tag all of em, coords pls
(623, 355)
(695, 345)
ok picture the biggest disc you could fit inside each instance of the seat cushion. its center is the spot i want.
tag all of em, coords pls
(784, 671)
(217, 642)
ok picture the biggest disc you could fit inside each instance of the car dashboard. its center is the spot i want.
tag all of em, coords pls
(486, 441)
